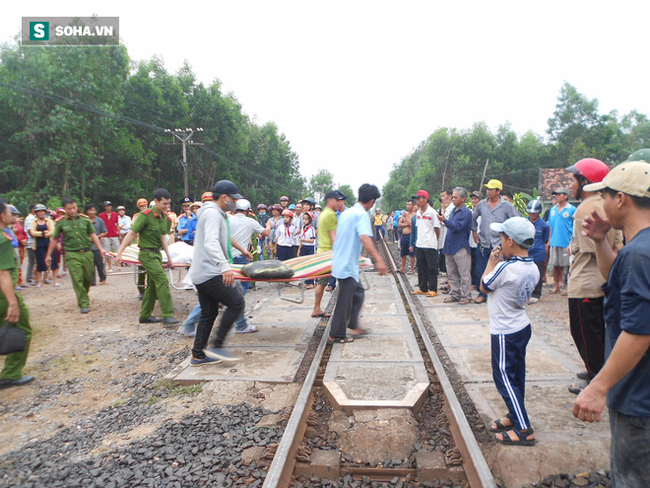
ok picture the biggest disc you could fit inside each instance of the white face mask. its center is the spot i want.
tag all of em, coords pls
(230, 205)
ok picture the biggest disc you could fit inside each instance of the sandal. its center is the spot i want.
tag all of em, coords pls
(500, 427)
(577, 389)
(522, 437)
(480, 300)
(326, 315)
(450, 299)
(345, 340)
(554, 292)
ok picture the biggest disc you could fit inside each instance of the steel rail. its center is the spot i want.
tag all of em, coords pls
(277, 474)
(477, 469)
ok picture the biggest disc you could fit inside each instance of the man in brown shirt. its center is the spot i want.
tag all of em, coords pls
(585, 280)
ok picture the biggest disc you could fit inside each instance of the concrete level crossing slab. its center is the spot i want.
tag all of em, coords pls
(564, 443)
(274, 353)
(385, 368)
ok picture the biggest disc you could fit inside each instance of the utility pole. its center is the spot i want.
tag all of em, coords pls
(184, 136)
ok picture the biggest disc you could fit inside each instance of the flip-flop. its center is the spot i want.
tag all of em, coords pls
(340, 341)
(326, 315)
(577, 389)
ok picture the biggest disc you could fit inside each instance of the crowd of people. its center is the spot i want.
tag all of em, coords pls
(599, 253)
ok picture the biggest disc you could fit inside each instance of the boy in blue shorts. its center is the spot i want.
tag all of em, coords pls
(509, 285)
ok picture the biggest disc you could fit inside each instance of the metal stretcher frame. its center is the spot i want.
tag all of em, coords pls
(305, 268)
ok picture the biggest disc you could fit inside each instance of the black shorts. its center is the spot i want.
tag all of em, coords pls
(404, 244)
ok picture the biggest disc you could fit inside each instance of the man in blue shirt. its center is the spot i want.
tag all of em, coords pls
(456, 249)
(184, 230)
(561, 221)
(622, 382)
(353, 232)
(538, 251)
(396, 229)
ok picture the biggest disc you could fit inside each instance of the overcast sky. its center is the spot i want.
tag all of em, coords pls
(356, 85)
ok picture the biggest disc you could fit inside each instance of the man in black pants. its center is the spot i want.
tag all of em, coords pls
(426, 246)
(213, 277)
(584, 289)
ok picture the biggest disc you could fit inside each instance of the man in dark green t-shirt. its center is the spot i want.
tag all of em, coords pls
(12, 306)
(152, 226)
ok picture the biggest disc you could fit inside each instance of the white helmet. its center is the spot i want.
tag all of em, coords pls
(243, 204)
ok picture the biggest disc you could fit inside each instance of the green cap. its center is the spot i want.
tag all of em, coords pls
(640, 155)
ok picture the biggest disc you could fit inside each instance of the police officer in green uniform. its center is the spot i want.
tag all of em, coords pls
(153, 225)
(78, 235)
(12, 306)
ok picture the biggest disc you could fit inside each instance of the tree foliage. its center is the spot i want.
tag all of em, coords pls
(450, 157)
(88, 122)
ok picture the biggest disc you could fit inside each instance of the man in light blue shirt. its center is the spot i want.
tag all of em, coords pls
(353, 233)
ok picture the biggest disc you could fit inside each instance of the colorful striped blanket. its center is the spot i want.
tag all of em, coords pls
(304, 267)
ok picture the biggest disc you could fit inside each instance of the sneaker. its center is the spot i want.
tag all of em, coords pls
(248, 330)
(202, 362)
(19, 382)
(187, 331)
(533, 301)
(84, 310)
(215, 353)
(432, 294)
(150, 320)
(170, 322)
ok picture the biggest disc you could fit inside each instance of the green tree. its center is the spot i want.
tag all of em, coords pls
(320, 183)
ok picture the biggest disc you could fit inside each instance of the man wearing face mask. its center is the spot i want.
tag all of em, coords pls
(213, 277)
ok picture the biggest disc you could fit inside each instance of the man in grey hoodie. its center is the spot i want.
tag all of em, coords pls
(213, 277)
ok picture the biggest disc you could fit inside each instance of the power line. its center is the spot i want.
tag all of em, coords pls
(58, 99)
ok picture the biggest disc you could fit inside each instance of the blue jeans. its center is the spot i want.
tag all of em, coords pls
(630, 454)
(482, 258)
(380, 232)
(242, 260)
(241, 323)
(194, 316)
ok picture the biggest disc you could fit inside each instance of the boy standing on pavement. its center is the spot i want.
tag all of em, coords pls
(213, 277)
(352, 234)
(12, 306)
(78, 235)
(509, 284)
(622, 383)
(153, 225)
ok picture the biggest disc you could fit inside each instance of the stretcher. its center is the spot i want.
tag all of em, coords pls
(310, 267)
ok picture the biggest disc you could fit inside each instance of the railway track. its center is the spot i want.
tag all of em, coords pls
(464, 458)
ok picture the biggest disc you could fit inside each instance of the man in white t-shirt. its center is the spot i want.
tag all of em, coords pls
(426, 246)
